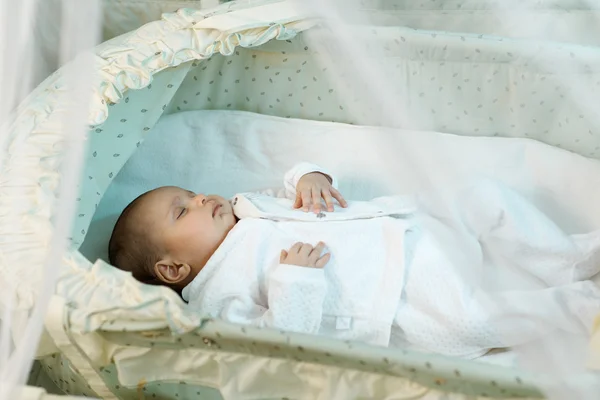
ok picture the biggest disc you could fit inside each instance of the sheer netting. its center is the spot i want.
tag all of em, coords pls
(483, 111)
(37, 37)
(515, 259)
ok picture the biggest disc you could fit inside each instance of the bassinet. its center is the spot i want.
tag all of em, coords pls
(108, 336)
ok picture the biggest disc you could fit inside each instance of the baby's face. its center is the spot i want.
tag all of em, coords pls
(189, 227)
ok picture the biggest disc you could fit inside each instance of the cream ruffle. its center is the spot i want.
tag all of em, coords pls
(181, 37)
(33, 150)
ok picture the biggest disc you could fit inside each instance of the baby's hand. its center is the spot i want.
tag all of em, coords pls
(311, 188)
(304, 255)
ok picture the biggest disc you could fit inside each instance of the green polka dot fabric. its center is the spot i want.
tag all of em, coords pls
(464, 84)
(111, 143)
(556, 21)
(256, 56)
(193, 367)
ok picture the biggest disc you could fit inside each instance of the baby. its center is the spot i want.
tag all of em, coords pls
(172, 250)
(388, 277)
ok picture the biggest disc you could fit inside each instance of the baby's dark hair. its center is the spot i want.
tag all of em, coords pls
(130, 249)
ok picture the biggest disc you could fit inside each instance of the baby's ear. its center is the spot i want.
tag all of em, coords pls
(171, 273)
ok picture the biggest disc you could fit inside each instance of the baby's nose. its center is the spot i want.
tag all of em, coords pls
(200, 199)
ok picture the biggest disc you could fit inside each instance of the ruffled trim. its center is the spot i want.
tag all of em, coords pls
(103, 297)
(132, 64)
(34, 147)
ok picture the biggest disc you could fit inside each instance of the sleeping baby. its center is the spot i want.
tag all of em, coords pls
(378, 271)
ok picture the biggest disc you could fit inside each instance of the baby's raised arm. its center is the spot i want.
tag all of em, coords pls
(308, 184)
(313, 187)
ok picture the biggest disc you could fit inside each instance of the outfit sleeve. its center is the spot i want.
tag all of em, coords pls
(295, 301)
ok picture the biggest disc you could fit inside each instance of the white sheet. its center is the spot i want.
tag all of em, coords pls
(227, 152)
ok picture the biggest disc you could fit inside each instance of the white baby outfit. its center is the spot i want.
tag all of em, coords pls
(391, 279)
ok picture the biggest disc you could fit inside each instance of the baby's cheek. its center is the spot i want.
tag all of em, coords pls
(187, 240)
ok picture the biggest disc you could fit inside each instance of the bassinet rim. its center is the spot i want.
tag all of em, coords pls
(115, 94)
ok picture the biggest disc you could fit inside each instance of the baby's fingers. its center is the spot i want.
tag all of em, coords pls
(298, 201)
(316, 252)
(283, 256)
(338, 196)
(316, 198)
(305, 200)
(321, 262)
(295, 249)
(328, 199)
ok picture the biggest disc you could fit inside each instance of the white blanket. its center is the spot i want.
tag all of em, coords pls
(430, 277)
(227, 152)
